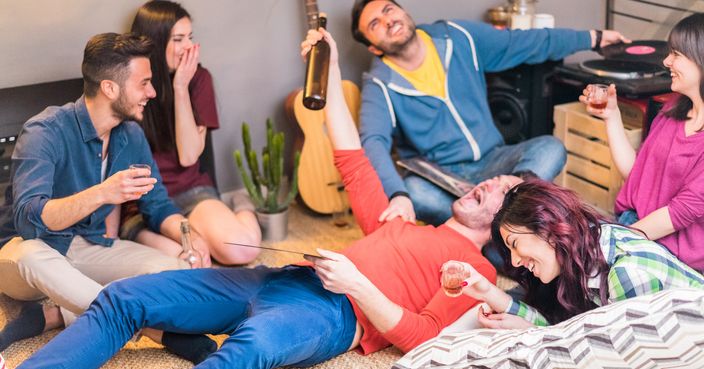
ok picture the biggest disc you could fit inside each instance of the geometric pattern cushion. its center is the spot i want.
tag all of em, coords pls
(662, 330)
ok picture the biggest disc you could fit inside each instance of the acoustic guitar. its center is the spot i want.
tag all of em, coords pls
(319, 182)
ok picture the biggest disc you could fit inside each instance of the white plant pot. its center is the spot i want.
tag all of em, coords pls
(274, 225)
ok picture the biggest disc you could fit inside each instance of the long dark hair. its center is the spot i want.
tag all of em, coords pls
(155, 20)
(559, 217)
(687, 37)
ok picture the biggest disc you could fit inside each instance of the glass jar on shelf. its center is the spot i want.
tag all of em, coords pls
(522, 12)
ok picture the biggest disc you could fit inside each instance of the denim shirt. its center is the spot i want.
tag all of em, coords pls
(58, 153)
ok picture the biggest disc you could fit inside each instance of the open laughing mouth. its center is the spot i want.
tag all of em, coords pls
(395, 29)
(530, 267)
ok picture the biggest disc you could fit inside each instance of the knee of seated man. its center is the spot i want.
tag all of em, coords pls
(551, 155)
(19, 263)
(33, 255)
(551, 147)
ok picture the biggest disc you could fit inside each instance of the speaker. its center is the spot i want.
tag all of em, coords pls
(520, 100)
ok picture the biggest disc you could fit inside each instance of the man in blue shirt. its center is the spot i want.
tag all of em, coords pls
(70, 171)
(426, 93)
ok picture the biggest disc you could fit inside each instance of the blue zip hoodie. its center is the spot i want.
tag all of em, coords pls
(458, 128)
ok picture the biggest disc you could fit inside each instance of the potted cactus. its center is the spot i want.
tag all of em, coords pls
(265, 185)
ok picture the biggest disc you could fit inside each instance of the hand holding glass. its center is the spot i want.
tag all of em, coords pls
(454, 274)
(598, 96)
(140, 166)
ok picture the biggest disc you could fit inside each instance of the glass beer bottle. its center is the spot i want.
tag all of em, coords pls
(316, 84)
(187, 244)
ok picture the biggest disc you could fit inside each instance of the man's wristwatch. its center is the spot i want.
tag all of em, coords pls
(597, 44)
(399, 193)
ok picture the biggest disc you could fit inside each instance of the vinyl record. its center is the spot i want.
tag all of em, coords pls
(646, 51)
(622, 69)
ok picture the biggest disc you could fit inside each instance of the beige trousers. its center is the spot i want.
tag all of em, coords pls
(31, 270)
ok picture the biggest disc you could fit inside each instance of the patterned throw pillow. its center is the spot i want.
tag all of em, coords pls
(663, 330)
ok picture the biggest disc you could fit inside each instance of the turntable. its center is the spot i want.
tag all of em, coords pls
(636, 69)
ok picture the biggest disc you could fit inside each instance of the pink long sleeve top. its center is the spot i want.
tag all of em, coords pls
(669, 171)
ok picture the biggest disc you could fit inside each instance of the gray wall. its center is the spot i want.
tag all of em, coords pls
(251, 48)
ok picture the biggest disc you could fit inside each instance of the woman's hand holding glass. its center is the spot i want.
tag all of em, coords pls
(472, 282)
(601, 102)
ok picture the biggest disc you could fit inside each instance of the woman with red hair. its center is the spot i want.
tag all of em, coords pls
(547, 235)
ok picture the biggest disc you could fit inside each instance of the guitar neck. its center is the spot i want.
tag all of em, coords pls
(312, 13)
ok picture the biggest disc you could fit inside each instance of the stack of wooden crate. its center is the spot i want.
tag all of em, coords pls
(589, 170)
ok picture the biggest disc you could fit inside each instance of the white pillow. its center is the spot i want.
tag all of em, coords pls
(662, 330)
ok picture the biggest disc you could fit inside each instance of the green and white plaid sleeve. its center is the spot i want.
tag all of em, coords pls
(643, 267)
(527, 312)
(627, 281)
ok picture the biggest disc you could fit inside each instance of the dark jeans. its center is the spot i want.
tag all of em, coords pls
(627, 218)
(274, 317)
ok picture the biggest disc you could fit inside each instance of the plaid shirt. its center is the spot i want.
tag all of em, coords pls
(637, 266)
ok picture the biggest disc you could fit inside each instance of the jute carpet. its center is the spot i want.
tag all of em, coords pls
(306, 232)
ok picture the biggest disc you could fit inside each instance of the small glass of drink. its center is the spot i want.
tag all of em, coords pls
(453, 275)
(140, 166)
(598, 96)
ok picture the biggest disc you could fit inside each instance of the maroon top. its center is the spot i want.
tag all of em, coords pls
(178, 179)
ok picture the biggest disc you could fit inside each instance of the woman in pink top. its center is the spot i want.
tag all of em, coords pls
(664, 184)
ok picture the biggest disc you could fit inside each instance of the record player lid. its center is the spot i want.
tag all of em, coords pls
(621, 69)
(647, 51)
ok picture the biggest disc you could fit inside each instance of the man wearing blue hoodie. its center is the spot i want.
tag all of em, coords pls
(426, 93)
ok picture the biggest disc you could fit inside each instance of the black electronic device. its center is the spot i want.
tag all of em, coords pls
(520, 100)
(18, 104)
(635, 68)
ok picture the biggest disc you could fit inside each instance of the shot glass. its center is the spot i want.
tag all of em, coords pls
(453, 275)
(598, 96)
(140, 166)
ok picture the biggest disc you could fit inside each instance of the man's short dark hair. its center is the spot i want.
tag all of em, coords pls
(107, 57)
(356, 13)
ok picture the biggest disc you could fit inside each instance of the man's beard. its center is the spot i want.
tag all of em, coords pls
(479, 218)
(397, 48)
(121, 110)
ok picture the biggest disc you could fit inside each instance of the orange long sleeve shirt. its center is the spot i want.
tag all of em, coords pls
(403, 260)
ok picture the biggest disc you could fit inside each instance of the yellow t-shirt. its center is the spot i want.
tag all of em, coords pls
(429, 78)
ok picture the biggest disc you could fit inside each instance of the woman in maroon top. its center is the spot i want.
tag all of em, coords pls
(175, 124)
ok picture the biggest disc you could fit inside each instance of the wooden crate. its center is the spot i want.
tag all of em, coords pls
(589, 170)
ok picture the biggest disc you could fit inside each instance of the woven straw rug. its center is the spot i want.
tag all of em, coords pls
(306, 232)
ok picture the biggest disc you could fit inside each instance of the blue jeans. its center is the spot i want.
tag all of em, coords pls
(544, 155)
(274, 317)
(627, 218)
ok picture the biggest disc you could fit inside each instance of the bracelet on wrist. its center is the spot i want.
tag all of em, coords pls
(597, 43)
(399, 193)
